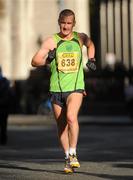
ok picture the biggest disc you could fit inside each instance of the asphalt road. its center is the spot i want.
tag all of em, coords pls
(105, 151)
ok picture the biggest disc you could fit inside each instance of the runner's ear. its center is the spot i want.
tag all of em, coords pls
(74, 23)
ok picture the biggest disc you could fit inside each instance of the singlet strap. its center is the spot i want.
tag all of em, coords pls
(58, 40)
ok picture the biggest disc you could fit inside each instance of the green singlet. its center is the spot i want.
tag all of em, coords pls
(67, 68)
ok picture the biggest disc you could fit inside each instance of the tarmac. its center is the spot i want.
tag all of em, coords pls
(49, 119)
(33, 151)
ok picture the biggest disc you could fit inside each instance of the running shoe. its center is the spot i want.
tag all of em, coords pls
(68, 168)
(74, 163)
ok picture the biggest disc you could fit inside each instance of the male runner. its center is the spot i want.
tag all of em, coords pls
(63, 51)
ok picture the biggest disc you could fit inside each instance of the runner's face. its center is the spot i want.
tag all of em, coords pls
(66, 25)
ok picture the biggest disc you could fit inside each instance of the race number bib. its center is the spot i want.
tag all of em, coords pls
(68, 62)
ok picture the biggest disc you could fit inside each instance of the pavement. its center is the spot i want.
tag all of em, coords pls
(49, 119)
(21, 119)
(33, 151)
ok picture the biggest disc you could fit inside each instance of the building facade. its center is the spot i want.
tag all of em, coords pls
(116, 27)
(24, 23)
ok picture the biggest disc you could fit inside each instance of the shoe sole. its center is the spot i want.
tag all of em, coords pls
(67, 171)
(75, 165)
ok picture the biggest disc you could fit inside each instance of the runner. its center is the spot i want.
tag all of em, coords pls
(63, 51)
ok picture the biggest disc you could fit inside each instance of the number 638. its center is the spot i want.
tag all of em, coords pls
(68, 62)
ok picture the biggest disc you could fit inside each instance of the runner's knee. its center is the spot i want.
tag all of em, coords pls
(71, 118)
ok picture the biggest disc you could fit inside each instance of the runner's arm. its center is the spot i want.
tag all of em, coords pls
(86, 41)
(91, 63)
(40, 58)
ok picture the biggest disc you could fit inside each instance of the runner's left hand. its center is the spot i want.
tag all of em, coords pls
(91, 64)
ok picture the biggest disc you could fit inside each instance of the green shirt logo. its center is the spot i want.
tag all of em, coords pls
(69, 47)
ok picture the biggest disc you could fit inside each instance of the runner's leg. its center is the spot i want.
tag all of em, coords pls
(62, 126)
(74, 102)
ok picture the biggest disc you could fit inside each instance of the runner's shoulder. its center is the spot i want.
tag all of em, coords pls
(84, 38)
(49, 42)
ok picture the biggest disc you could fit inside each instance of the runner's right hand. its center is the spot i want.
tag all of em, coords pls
(51, 55)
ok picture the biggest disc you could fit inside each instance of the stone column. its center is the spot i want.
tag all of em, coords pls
(131, 18)
(22, 68)
(70, 4)
(20, 33)
(16, 38)
(82, 22)
(110, 27)
(118, 30)
(103, 32)
(125, 32)
(30, 36)
(82, 16)
(5, 38)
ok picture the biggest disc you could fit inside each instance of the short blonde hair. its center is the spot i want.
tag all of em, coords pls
(65, 13)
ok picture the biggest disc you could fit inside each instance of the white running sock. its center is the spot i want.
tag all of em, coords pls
(72, 151)
(67, 154)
